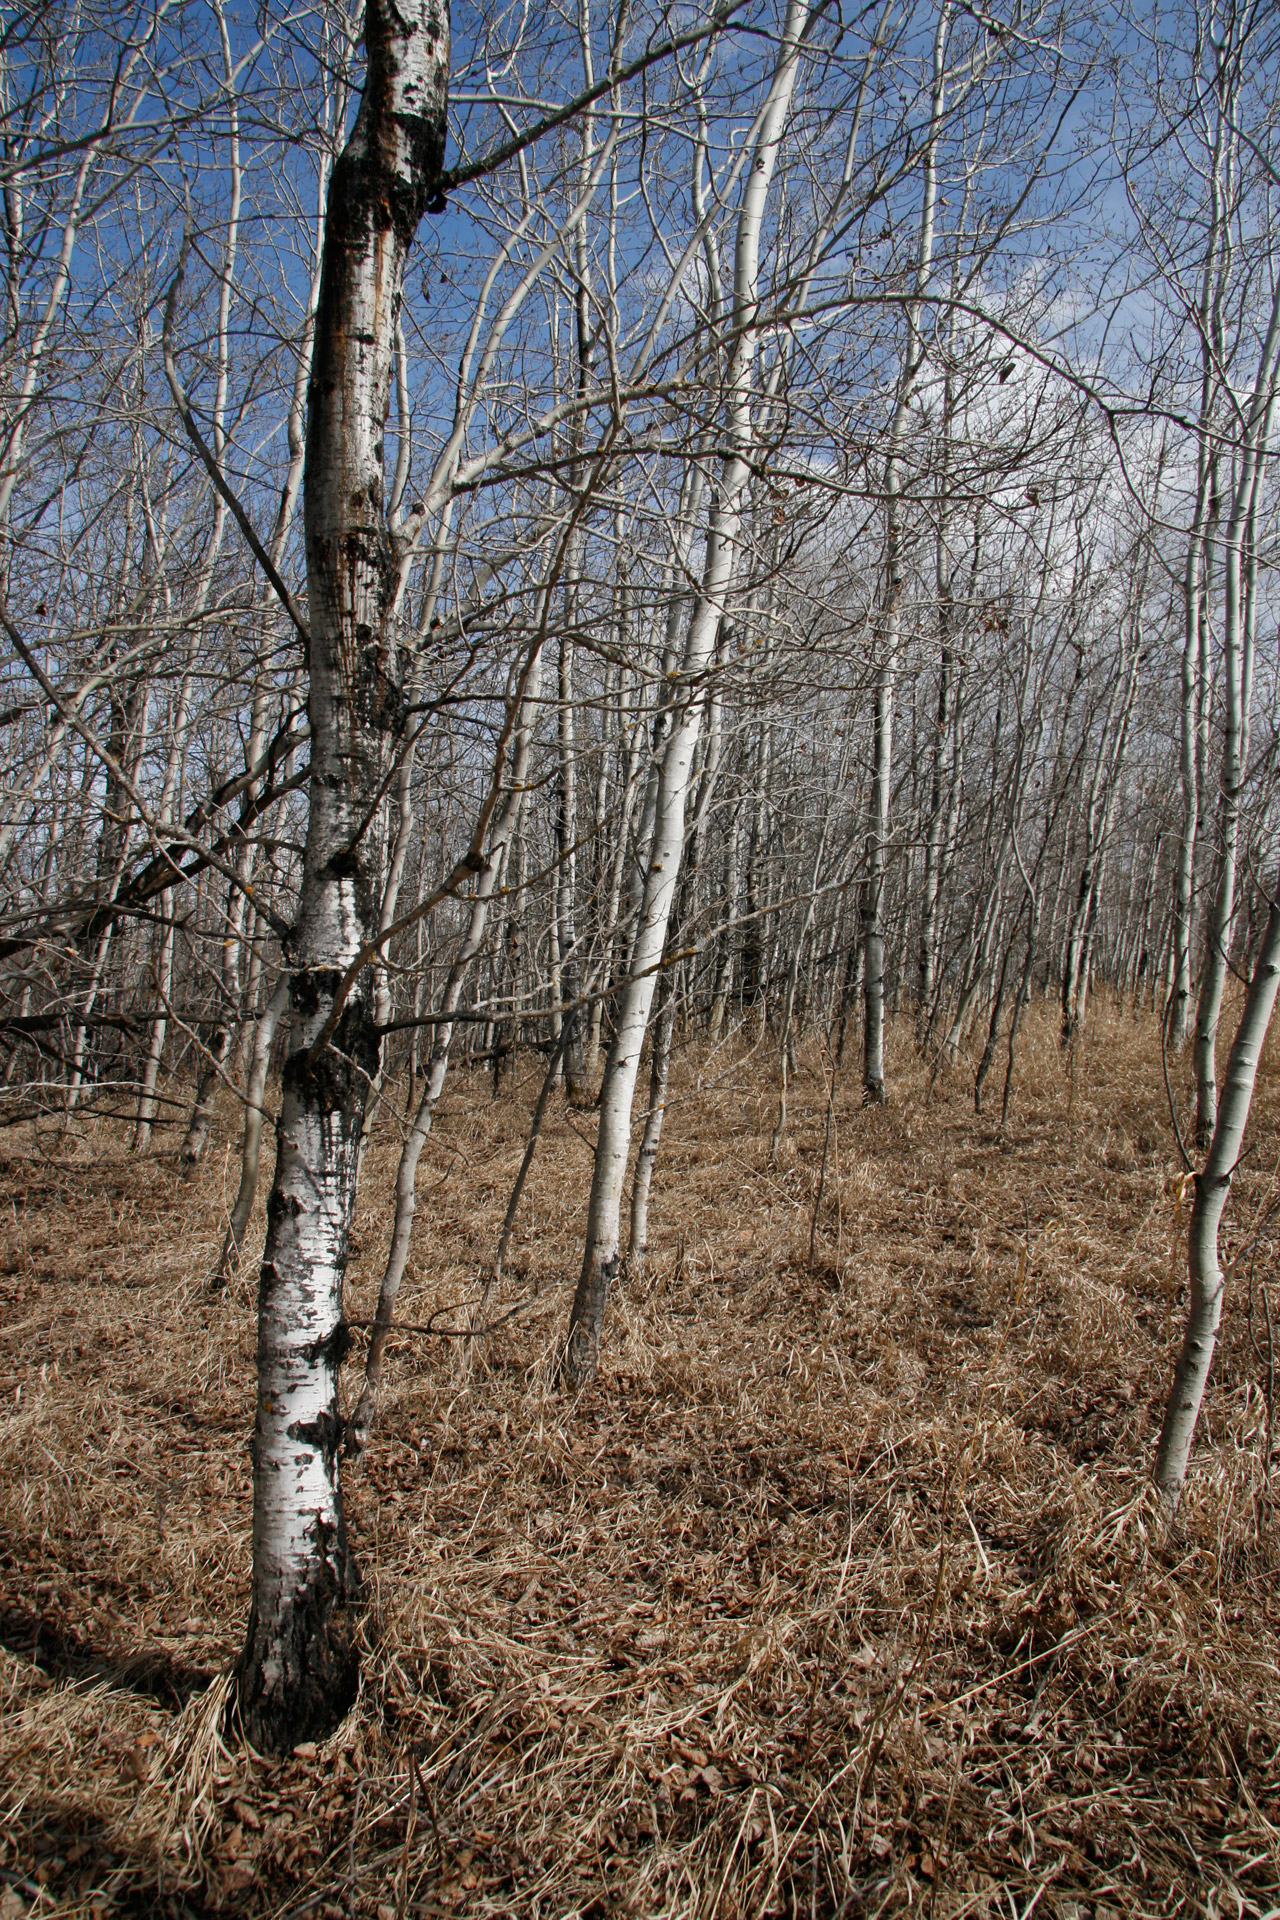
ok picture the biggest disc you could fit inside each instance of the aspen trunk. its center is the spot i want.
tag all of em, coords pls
(155, 1046)
(993, 1025)
(754, 984)
(1212, 1188)
(568, 972)
(891, 616)
(873, 893)
(950, 841)
(177, 723)
(675, 769)
(940, 771)
(724, 962)
(298, 1671)
(1239, 579)
(650, 1139)
(1098, 814)
(1193, 701)
(198, 1127)
(1023, 999)
(628, 787)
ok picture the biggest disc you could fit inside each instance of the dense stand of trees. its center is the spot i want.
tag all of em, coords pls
(721, 525)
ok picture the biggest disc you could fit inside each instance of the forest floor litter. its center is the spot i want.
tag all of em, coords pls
(842, 1591)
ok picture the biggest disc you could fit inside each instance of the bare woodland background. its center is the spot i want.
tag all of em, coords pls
(650, 669)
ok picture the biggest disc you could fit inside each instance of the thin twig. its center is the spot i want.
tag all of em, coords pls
(351, 1850)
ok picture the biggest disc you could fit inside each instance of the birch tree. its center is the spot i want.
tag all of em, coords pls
(1207, 1288)
(297, 1673)
(635, 997)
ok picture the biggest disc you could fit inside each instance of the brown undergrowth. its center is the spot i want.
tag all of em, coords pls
(842, 1592)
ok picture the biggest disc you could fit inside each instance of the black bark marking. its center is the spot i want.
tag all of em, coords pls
(310, 986)
(334, 1347)
(324, 1433)
(336, 1081)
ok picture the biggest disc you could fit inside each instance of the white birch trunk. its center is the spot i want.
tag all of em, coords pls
(674, 772)
(298, 1671)
(651, 1138)
(1237, 675)
(878, 825)
(1212, 1188)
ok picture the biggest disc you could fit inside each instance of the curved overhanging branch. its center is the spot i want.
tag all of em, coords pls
(519, 143)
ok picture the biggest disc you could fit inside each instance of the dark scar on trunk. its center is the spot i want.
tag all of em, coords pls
(324, 1433)
(334, 1348)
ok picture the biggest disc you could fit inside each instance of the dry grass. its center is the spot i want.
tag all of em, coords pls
(841, 1592)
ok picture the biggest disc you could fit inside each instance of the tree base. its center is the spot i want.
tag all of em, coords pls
(581, 1358)
(299, 1673)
